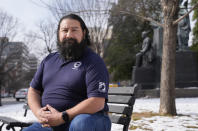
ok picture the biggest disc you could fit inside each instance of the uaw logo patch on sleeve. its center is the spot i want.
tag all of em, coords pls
(102, 87)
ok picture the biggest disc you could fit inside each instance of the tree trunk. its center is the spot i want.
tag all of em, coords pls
(0, 91)
(167, 85)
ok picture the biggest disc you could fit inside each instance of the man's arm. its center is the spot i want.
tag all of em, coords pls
(34, 102)
(88, 106)
(34, 99)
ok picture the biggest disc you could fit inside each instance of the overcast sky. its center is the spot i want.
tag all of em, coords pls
(26, 11)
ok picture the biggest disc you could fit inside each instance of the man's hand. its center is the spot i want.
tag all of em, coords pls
(42, 115)
(54, 117)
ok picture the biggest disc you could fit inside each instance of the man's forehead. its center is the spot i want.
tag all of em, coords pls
(70, 23)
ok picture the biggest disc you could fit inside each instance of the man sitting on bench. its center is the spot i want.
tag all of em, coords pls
(69, 91)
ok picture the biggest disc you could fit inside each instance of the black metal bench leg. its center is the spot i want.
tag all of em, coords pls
(25, 113)
(13, 128)
(21, 128)
(1, 126)
(8, 127)
(126, 128)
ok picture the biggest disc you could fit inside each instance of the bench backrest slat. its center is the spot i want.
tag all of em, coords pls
(122, 91)
(129, 100)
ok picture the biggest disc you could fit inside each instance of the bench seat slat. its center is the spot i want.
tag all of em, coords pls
(127, 110)
(119, 119)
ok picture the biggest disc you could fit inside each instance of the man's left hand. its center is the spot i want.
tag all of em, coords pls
(55, 118)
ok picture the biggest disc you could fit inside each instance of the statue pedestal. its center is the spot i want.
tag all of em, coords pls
(186, 72)
(186, 69)
(145, 76)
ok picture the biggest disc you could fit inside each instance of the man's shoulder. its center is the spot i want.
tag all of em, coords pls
(51, 56)
(93, 61)
(91, 57)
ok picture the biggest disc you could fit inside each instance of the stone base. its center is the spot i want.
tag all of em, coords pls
(186, 69)
(186, 72)
(145, 76)
(179, 93)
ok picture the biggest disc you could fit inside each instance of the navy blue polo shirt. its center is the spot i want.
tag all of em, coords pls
(66, 83)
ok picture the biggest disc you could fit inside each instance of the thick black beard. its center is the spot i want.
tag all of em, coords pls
(70, 49)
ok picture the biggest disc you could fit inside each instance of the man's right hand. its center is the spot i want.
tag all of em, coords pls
(42, 115)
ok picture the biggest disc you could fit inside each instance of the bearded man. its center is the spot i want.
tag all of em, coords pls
(69, 91)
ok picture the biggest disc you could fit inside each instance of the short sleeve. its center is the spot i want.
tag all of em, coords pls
(36, 82)
(97, 79)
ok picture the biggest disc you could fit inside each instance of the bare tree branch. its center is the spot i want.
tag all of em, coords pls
(46, 34)
(8, 25)
(87, 11)
(142, 17)
(182, 17)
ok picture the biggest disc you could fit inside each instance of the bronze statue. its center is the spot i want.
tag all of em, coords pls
(183, 28)
(145, 56)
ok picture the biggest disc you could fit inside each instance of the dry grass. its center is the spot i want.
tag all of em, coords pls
(139, 127)
(195, 127)
(138, 116)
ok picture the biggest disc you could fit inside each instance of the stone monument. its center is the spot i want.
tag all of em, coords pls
(147, 72)
(144, 70)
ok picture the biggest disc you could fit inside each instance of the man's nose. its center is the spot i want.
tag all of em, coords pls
(69, 34)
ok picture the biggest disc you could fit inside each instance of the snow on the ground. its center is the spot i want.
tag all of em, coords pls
(16, 111)
(187, 119)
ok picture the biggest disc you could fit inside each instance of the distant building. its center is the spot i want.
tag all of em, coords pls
(17, 55)
(33, 63)
(14, 60)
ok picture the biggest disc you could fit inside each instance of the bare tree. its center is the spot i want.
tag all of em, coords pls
(167, 92)
(35, 46)
(94, 12)
(46, 34)
(8, 29)
(167, 84)
(8, 25)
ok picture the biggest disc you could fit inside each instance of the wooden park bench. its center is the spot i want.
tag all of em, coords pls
(121, 101)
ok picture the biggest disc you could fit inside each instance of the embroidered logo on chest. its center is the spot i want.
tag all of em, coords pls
(77, 65)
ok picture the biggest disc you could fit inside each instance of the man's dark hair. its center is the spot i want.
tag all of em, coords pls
(82, 24)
